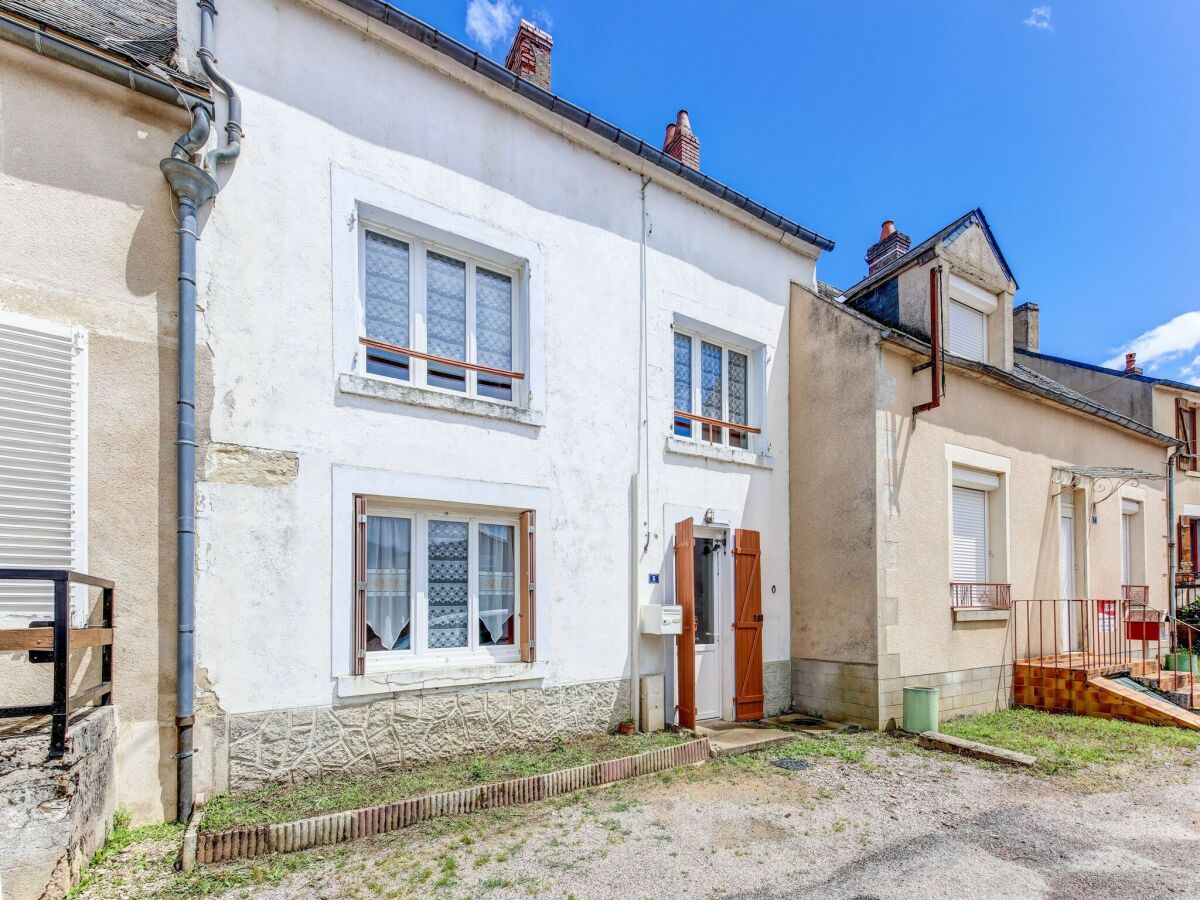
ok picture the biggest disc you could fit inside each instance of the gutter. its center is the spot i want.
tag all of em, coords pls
(493, 71)
(51, 46)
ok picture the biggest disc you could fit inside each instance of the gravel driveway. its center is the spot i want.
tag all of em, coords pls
(899, 824)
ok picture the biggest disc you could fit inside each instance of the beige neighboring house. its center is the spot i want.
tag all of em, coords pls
(925, 507)
(88, 348)
(1171, 407)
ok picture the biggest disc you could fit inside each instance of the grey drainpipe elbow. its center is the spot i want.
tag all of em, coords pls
(233, 125)
(195, 137)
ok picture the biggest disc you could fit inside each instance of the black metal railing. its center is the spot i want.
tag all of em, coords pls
(58, 640)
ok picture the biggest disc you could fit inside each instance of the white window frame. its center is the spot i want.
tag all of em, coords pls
(753, 386)
(419, 652)
(418, 248)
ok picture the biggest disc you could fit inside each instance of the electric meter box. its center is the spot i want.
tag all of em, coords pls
(665, 619)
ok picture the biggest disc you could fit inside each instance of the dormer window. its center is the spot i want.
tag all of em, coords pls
(967, 319)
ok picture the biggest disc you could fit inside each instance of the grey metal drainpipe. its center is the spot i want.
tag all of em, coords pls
(1172, 533)
(193, 187)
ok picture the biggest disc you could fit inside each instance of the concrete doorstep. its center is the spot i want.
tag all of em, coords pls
(732, 738)
(935, 740)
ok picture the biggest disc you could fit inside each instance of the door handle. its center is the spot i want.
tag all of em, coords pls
(758, 617)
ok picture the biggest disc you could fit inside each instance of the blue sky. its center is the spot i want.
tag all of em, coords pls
(1074, 125)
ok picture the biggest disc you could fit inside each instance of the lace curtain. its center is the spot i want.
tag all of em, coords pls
(389, 543)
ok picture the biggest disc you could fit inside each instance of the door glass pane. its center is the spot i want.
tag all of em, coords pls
(739, 367)
(446, 318)
(387, 303)
(497, 577)
(389, 574)
(706, 585)
(683, 383)
(711, 403)
(448, 589)
(493, 332)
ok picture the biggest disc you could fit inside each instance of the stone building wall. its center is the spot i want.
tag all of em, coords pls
(413, 730)
(777, 686)
(55, 813)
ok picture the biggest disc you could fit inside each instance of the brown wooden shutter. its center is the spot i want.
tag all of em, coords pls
(747, 626)
(1185, 549)
(360, 584)
(1185, 430)
(685, 643)
(527, 585)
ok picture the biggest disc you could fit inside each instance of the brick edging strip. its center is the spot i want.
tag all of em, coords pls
(255, 840)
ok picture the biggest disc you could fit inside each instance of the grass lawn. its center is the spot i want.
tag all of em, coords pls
(1063, 744)
(287, 802)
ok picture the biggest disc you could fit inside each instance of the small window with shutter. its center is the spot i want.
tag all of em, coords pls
(439, 584)
(1185, 430)
(42, 460)
(966, 332)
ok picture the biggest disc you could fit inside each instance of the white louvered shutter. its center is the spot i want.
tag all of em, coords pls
(39, 456)
(966, 332)
(970, 551)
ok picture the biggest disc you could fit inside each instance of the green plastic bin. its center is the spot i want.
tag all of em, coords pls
(1182, 662)
(920, 709)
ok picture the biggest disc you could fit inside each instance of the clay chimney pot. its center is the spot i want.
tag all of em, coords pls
(889, 227)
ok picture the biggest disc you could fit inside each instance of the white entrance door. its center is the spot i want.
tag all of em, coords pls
(1066, 558)
(708, 637)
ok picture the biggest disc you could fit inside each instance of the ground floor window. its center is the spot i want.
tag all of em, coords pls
(436, 583)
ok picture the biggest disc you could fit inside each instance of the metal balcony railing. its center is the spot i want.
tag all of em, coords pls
(57, 641)
(965, 594)
(1136, 593)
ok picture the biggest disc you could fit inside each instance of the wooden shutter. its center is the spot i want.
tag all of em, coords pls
(685, 643)
(1185, 545)
(1185, 430)
(360, 584)
(527, 586)
(40, 446)
(747, 625)
(969, 564)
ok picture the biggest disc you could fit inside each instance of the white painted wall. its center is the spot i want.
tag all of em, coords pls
(332, 114)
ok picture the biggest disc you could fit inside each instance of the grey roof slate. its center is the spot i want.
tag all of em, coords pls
(142, 31)
(1116, 373)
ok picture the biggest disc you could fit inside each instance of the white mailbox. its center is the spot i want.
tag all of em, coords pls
(665, 619)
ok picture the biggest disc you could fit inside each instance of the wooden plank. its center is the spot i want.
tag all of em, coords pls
(43, 638)
(685, 643)
(87, 695)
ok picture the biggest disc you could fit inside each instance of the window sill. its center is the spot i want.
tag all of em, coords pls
(407, 394)
(718, 453)
(980, 614)
(425, 678)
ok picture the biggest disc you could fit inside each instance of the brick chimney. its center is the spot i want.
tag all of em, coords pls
(1025, 327)
(1131, 366)
(529, 55)
(891, 245)
(681, 142)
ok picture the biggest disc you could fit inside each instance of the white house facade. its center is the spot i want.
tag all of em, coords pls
(475, 366)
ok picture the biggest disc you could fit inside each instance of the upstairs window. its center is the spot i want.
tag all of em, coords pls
(438, 318)
(967, 314)
(966, 332)
(714, 391)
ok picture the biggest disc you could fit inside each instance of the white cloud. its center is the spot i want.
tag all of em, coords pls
(489, 21)
(1040, 18)
(1165, 344)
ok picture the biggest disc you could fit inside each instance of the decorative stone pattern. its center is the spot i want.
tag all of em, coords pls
(407, 730)
(55, 813)
(255, 840)
(777, 686)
